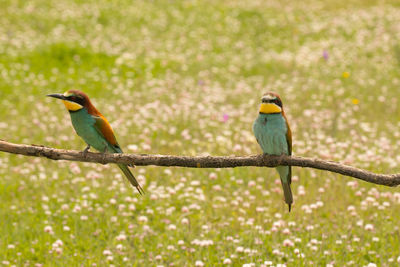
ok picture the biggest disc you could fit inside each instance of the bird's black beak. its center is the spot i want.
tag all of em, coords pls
(59, 96)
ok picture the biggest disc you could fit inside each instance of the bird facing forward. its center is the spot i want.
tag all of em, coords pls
(273, 134)
(93, 127)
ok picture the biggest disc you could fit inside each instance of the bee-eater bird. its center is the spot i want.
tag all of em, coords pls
(273, 134)
(93, 127)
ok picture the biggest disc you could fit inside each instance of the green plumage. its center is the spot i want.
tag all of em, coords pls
(270, 131)
(84, 125)
(87, 127)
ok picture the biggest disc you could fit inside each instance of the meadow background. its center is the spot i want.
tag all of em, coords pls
(185, 78)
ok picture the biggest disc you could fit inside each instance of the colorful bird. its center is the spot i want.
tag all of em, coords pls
(273, 134)
(93, 127)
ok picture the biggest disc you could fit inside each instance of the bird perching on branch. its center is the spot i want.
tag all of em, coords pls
(273, 134)
(93, 127)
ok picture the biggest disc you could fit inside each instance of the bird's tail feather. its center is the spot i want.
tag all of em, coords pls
(287, 192)
(285, 173)
(131, 178)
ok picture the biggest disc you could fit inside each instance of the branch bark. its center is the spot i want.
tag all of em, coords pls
(201, 161)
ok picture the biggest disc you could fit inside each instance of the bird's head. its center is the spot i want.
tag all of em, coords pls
(271, 103)
(73, 100)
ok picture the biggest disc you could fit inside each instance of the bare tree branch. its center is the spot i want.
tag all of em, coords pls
(200, 161)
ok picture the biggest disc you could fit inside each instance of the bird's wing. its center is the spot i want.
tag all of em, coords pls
(255, 131)
(289, 144)
(104, 128)
(258, 133)
(288, 137)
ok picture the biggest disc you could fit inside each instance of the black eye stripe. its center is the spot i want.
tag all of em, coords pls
(76, 99)
(276, 101)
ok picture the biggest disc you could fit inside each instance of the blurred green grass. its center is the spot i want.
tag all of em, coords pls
(185, 77)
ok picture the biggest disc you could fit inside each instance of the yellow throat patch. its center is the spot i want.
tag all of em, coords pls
(72, 106)
(269, 108)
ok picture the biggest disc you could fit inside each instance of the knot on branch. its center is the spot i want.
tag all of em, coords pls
(272, 161)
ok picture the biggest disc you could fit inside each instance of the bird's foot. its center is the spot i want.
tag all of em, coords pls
(280, 159)
(85, 151)
(265, 158)
(103, 160)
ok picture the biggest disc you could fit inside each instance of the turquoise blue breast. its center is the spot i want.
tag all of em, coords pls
(270, 131)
